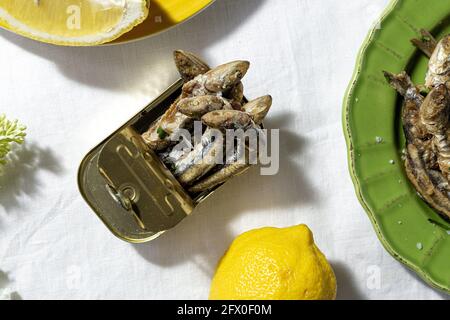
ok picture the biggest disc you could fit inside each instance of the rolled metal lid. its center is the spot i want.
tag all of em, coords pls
(126, 184)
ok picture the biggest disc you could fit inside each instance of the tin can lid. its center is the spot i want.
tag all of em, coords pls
(129, 188)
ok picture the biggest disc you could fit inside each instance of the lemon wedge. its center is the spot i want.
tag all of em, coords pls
(72, 22)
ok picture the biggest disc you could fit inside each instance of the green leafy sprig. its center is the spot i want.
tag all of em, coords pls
(11, 132)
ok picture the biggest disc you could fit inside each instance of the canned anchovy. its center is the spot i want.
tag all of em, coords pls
(152, 172)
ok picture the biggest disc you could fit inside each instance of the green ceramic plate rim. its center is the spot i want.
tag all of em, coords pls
(351, 159)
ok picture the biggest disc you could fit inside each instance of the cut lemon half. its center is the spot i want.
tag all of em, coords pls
(72, 22)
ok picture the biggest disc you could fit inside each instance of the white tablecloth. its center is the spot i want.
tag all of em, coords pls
(302, 52)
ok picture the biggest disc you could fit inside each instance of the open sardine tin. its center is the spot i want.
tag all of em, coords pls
(127, 185)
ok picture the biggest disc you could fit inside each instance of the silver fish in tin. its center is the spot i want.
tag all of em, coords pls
(439, 65)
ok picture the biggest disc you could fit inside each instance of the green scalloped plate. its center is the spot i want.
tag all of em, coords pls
(410, 230)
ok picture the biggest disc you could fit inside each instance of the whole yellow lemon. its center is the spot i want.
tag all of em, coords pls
(274, 264)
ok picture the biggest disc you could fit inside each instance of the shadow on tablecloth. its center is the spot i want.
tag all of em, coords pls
(145, 66)
(442, 294)
(4, 283)
(20, 176)
(346, 287)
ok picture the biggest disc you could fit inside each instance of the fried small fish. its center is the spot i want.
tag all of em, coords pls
(439, 65)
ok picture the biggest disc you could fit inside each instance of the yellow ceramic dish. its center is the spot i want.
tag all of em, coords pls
(163, 15)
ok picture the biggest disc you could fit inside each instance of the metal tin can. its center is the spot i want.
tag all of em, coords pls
(127, 185)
